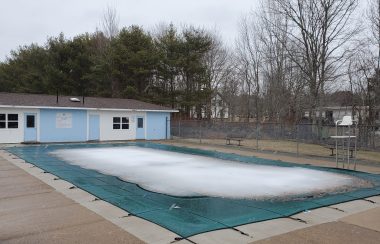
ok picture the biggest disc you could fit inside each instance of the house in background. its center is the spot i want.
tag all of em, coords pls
(48, 118)
(218, 109)
(334, 113)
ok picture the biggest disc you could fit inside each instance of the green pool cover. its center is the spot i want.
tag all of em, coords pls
(195, 214)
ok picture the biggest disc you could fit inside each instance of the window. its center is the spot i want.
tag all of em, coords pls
(2, 121)
(8, 121)
(330, 116)
(125, 123)
(13, 121)
(140, 123)
(116, 123)
(30, 121)
(120, 123)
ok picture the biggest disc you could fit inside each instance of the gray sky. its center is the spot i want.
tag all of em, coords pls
(24, 22)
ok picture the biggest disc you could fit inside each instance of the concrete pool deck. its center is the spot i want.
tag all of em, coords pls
(43, 210)
(34, 212)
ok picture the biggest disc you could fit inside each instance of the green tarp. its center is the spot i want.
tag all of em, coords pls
(186, 216)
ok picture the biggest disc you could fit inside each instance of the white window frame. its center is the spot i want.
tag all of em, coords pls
(121, 123)
(7, 121)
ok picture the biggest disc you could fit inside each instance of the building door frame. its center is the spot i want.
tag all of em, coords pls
(30, 127)
(140, 127)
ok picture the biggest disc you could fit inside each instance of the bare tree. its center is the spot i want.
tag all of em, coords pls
(248, 57)
(373, 17)
(277, 68)
(320, 30)
(361, 77)
(110, 29)
(265, 67)
(219, 70)
(110, 22)
(230, 90)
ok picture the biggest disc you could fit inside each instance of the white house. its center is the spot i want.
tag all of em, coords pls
(334, 113)
(48, 118)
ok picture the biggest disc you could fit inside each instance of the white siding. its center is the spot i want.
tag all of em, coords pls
(17, 135)
(107, 133)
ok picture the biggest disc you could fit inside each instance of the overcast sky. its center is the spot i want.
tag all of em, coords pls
(24, 22)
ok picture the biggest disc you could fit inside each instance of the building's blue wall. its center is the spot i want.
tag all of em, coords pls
(49, 132)
(156, 123)
(94, 127)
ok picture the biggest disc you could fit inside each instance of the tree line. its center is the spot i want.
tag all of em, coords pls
(290, 56)
(167, 69)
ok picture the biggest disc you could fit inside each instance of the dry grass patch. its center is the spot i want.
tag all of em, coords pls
(289, 147)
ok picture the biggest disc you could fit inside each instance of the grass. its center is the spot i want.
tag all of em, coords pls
(291, 147)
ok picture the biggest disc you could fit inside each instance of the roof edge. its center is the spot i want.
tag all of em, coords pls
(93, 109)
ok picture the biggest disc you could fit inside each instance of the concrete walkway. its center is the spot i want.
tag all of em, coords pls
(33, 212)
(333, 232)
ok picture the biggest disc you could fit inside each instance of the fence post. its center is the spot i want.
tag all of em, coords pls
(257, 136)
(179, 128)
(297, 140)
(373, 137)
(200, 131)
(275, 129)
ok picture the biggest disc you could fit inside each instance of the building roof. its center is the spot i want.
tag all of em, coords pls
(50, 101)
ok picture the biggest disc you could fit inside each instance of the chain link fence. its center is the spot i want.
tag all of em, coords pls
(304, 138)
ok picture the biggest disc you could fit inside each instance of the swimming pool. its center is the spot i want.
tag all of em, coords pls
(188, 210)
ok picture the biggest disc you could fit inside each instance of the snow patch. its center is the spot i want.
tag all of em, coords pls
(180, 174)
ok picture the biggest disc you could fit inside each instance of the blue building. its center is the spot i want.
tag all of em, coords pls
(47, 118)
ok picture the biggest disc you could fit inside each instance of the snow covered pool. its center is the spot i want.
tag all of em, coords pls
(179, 174)
(235, 190)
